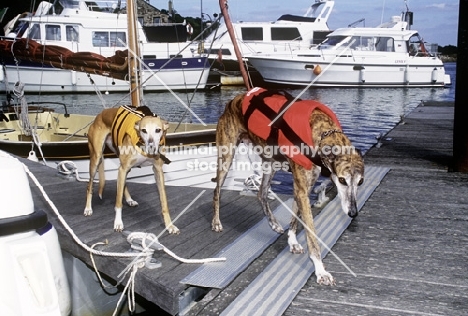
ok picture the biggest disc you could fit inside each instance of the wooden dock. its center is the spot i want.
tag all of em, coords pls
(407, 248)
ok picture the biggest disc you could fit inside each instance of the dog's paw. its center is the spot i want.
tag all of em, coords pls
(132, 202)
(88, 212)
(296, 249)
(325, 278)
(294, 245)
(276, 227)
(217, 227)
(118, 225)
(173, 230)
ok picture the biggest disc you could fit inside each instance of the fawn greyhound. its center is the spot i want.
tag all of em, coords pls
(136, 136)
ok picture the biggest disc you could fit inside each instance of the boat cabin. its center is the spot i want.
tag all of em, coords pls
(288, 31)
(396, 39)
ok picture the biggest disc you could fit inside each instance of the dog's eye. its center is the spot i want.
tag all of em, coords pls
(361, 181)
(342, 181)
(144, 130)
(158, 130)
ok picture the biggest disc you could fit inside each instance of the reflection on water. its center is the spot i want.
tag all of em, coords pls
(364, 113)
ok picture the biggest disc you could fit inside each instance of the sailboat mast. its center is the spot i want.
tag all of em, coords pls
(227, 20)
(133, 52)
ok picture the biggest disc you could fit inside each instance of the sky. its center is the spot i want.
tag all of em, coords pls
(436, 21)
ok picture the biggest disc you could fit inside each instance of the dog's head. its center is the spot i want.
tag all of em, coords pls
(152, 130)
(347, 172)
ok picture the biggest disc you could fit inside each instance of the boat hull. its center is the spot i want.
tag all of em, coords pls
(351, 71)
(65, 137)
(178, 74)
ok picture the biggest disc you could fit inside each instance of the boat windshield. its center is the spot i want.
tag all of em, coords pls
(332, 41)
(416, 46)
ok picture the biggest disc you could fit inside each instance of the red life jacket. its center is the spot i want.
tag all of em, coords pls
(260, 107)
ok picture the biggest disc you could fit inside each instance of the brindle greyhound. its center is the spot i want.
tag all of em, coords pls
(346, 167)
(136, 144)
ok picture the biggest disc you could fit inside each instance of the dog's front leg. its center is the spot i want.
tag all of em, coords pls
(159, 177)
(263, 197)
(121, 187)
(303, 181)
(294, 245)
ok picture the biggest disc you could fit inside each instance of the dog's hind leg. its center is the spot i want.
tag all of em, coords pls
(96, 147)
(294, 245)
(159, 177)
(303, 181)
(226, 141)
(128, 197)
(263, 197)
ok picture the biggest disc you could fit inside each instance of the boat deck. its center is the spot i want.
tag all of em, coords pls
(407, 248)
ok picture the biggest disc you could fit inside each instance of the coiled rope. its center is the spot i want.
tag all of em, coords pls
(25, 124)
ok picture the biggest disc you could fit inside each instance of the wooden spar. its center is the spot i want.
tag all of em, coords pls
(133, 52)
(227, 20)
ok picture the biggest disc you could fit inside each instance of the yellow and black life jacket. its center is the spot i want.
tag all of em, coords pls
(124, 124)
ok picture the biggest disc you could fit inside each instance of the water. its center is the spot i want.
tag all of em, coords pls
(364, 113)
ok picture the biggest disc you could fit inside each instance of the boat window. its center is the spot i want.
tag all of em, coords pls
(109, 39)
(320, 36)
(332, 41)
(73, 34)
(53, 32)
(416, 46)
(252, 34)
(384, 44)
(117, 39)
(19, 29)
(101, 39)
(362, 43)
(222, 51)
(35, 32)
(285, 34)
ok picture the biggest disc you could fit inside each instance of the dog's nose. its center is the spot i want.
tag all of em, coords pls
(353, 213)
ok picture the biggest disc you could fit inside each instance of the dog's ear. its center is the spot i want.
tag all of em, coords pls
(165, 125)
(137, 125)
(328, 160)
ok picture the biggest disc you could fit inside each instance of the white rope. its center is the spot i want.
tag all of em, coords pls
(139, 258)
(89, 249)
(23, 115)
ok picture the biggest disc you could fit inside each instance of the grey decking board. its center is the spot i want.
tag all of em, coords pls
(196, 240)
(413, 227)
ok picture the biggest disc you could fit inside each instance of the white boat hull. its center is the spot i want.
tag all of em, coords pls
(53, 80)
(352, 71)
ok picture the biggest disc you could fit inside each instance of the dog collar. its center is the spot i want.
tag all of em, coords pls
(329, 132)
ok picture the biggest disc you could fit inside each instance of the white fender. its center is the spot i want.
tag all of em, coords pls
(434, 75)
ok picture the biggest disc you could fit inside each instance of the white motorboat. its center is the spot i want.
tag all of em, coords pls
(389, 55)
(81, 26)
(288, 32)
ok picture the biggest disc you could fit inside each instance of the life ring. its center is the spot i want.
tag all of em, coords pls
(189, 29)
